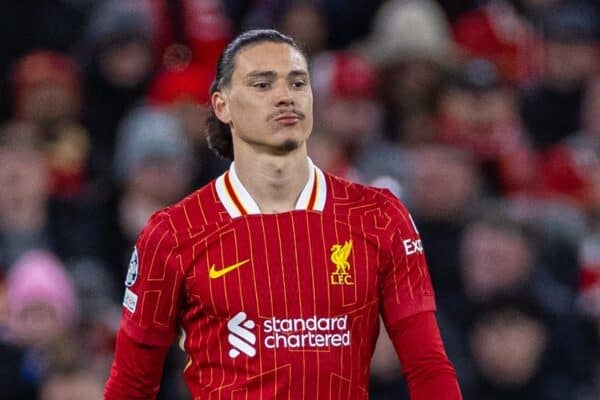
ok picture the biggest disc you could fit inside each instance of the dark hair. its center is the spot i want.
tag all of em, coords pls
(218, 134)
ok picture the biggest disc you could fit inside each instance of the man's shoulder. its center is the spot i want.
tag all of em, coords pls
(195, 211)
(353, 195)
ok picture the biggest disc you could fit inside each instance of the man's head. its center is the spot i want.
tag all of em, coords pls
(24, 177)
(497, 255)
(41, 301)
(508, 338)
(46, 88)
(261, 96)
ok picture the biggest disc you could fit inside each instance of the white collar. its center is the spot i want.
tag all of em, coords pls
(237, 201)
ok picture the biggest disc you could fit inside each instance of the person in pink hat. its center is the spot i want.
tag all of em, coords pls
(41, 300)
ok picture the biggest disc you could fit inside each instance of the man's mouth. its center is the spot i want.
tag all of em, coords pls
(288, 118)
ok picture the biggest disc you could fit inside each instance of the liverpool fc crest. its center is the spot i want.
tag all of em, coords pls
(339, 257)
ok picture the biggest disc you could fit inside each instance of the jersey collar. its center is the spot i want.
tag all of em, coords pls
(238, 202)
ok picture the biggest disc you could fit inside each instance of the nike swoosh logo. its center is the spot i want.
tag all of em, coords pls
(217, 273)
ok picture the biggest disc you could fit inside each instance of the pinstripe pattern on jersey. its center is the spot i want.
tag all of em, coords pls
(288, 276)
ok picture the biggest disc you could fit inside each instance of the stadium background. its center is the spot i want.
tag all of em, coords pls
(482, 116)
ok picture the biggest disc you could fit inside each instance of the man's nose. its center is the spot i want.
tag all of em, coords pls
(284, 95)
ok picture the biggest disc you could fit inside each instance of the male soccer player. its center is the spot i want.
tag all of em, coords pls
(275, 274)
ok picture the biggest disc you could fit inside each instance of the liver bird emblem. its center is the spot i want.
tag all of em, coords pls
(339, 256)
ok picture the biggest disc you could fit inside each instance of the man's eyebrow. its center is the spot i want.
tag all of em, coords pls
(272, 74)
(261, 74)
(298, 72)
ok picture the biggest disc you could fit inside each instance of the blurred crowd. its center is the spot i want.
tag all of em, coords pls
(482, 116)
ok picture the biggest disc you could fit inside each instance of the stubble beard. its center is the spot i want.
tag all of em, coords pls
(288, 146)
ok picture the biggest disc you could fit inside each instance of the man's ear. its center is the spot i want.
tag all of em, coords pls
(220, 106)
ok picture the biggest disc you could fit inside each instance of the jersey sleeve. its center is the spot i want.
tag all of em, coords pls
(425, 365)
(405, 283)
(136, 370)
(153, 286)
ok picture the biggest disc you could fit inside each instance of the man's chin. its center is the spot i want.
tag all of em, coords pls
(280, 148)
(289, 145)
(285, 147)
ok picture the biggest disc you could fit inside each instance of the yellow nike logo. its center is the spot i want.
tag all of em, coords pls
(217, 273)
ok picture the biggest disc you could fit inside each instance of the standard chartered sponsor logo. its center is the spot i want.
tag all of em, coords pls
(295, 333)
(240, 335)
(313, 332)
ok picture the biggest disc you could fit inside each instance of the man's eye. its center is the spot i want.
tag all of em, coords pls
(262, 85)
(299, 84)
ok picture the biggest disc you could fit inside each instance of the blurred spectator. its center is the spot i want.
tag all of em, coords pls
(521, 352)
(46, 88)
(99, 303)
(348, 113)
(199, 28)
(499, 256)
(47, 91)
(32, 25)
(444, 185)
(508, 340)
(570, 170)
(480, 114)
(499, 259)
(410, 45)
(496, 258)
(15, 381)
(72, 383)
(116, 54)
(551, 109)
(23, 200)
(152, 165)
(29, 218)
(330, 24)
(184, 84)
(183, 90)
(41, 310)
(41, 300)
(558, 229)
(70, 376)
(306, 22)
(500, 32)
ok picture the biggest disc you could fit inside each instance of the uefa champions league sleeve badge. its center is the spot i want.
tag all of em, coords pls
(132, 271)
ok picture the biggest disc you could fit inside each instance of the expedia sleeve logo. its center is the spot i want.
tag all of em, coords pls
(412, 246)
(339, 257)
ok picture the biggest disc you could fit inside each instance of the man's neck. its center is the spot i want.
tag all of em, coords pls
(274, 182)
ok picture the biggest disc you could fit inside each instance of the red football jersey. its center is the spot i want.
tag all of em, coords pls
(281, 305)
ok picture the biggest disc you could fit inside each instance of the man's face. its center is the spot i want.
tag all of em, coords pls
(507, 346)
(269, 101)
(494, 260)
(126, 65)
